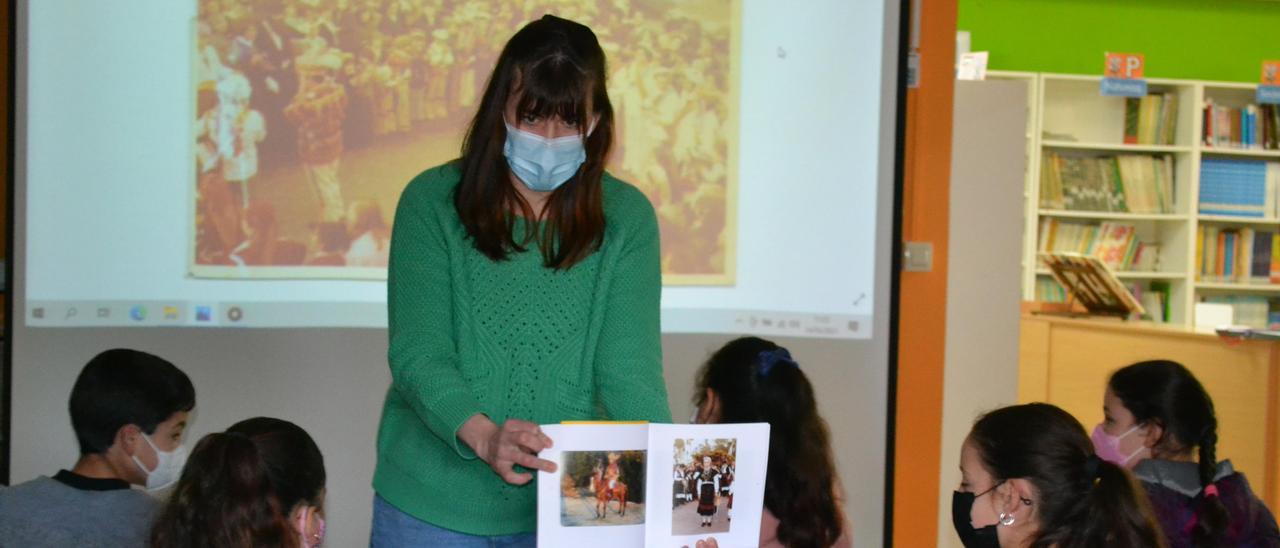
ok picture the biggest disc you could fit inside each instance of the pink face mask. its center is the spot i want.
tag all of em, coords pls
(1108, 447)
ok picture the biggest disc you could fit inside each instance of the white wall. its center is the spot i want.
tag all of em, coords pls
(985, 239)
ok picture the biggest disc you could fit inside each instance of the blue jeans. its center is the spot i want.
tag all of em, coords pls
(393, 528)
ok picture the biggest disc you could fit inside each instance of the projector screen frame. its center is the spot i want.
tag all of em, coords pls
(905, 41)
(16, 122)
(10, 142)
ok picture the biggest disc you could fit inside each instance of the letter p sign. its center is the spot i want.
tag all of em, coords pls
(1124, 66)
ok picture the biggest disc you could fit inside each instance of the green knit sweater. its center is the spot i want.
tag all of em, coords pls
(510, 339)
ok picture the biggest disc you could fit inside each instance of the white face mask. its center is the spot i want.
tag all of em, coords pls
(168, 466)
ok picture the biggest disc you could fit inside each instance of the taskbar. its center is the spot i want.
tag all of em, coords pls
(233, 314)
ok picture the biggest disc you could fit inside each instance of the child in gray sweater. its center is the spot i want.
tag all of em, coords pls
(128, 410)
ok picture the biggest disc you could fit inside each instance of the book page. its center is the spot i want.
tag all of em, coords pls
(720, 490)
(597, 496)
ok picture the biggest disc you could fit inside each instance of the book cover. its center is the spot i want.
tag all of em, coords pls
(1219, 268)
(1235, 127)
(1200, 253)
(1146, 257)
(1228, 254)
(1275, 260)
(1131, 120)
(1170, 132)
(1148, 116)
(1164, 288)
(1206, 123)
(1260, 270)
(635, 485)
(1210, 253)
(1243, 255)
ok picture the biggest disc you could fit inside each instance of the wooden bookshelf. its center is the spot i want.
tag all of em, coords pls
(1112, 215)
(1117, 147)
(1069, 115)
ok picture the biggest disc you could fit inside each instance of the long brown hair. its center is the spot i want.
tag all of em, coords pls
(1084, 501)
(555, 68)
(239, 486)
(756, 384)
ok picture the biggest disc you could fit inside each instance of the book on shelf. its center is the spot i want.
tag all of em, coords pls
(1048, 290)
(1239, 187)
(1237, 255)
(1115, 244)
(1255, 311)
(1248, 127)
(1127, 183)
(1153, 300)
(1151, 120)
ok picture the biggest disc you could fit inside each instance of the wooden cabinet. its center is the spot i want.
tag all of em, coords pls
(1066, 362)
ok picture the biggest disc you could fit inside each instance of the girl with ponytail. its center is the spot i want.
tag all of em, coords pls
(1160, 422)
(1031, 479)
(754, 380)
(260, 483)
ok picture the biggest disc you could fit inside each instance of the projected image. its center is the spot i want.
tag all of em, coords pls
(312, 115)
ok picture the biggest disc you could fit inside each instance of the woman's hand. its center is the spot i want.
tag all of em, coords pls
(514, 443)
(709, 542)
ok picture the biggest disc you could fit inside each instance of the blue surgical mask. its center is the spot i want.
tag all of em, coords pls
(543, 164)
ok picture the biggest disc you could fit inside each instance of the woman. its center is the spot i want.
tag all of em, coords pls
(1160, 421)
(260, 483)
(1030, 479)
(708, 490)
(754, 380)
(523, 290)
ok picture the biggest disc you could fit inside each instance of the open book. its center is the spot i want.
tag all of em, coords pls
(628, 484)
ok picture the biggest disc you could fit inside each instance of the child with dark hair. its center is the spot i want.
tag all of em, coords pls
(1030, 478)
(1160, 421)
(128, 410)
(260, 483)
(754, 380)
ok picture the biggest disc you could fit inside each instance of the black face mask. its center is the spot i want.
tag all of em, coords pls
(961, 507)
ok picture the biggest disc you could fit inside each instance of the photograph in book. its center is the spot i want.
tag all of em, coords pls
(702, 485)
(599, 488)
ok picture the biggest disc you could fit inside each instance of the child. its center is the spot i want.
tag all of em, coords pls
(1031, 478)
(260, 483)
(1160, 421)
(128, 410)
(754, 380)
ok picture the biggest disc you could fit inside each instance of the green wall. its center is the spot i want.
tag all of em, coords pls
(1194, 39)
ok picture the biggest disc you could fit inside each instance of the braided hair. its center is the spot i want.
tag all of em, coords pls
(1165, 393)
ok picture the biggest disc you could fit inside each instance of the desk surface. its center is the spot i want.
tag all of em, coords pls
(1134, 327)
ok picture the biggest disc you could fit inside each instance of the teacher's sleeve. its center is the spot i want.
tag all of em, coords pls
(629, 367)
(423, 352)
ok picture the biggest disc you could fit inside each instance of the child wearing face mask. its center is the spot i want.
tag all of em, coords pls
(260, 483)
(1030, 478)
(754, 380)
(128, 410)
(1159, 421)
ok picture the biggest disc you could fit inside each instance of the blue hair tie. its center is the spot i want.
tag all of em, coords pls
(770, 358)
